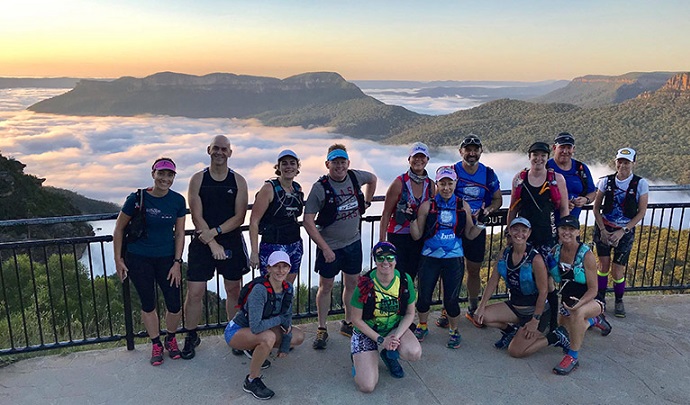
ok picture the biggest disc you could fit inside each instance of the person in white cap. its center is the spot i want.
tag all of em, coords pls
(620, 204)
(277, 205)
(403, 198)
(264, 321)
(441, 223)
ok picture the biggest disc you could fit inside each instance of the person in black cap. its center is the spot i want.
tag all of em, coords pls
(578, 178)
(572, 264)
(537, 193)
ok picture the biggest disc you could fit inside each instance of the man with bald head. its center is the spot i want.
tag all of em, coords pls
(218, 202)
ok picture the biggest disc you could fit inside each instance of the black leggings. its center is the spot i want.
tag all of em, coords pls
(145, 272)
(451, 271)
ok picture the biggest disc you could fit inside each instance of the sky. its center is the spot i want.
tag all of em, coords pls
(394, 40)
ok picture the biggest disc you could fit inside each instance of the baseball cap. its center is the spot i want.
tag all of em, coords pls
(539, 147)
(337, 153)
(626, 153)
(446, 172)
(471, 139)
(419, 147)
(564, 138)
(569, 220)
(277, 257)
(383, 248)
(164, 165)
(287, 152)
(521, 221)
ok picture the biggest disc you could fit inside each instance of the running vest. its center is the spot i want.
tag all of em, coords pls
(400, 220)
(218, 200)
(538, 208)
(329, 212)
(630, 204)
(554, 192)
(527, 283)
(270, 304)
(444, 228)
(367, 296)
(279, 222)
(554, 260)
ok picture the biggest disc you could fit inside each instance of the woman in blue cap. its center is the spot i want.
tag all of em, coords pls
(382, 314)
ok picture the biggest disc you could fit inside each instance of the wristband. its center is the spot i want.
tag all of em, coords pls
(219, 230)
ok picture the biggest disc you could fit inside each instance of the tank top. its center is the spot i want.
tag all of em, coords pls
(540, 215)
(279, 222)
(399, 223)
(218, 200)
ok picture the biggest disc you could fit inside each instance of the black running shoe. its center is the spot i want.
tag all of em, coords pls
(257, 388)
(190, 344)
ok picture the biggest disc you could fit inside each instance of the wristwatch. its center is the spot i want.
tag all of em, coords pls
(536, 316)
(379, 340)
(177, 261)
(626, 229)
(219, 230)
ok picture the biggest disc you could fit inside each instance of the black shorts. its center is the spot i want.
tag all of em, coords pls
(202, 265)
(525, 314)
(474, 249)
(621, 252)
(347, 259)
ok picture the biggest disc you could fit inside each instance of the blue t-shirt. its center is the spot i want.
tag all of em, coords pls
(573, 183)
(161, 215)
(473, 188)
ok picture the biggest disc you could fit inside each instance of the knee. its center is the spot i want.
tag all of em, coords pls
(325, 286)
(268, 338)
(297, 337)
(195, 294)
(366, 386)
(414, 353)
(516, 352)
(232, 288)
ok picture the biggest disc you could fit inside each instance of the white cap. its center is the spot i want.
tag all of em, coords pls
(626, 153)
(419, 147)
(277, 257)
(287, 152)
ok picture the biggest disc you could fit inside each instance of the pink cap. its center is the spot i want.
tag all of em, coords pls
(446, 172)
(165, 165)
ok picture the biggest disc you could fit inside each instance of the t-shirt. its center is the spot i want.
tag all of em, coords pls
(345, 230)
(386, 317)
(473, 188)
(616, 216)
(573, 183)
(161, 215)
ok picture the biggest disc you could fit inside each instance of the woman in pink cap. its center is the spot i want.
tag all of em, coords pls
(264, 321)
(155, 255)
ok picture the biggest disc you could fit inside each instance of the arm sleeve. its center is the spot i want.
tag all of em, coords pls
(255, 308)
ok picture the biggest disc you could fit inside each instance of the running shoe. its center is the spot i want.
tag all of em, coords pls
(470, 316)
(156, 354)
(257, 388)
(602, 324)
(321, 339)
(346, 328)
(442, 321)
(392, 363)
(563, 339)
(420, 333)
(171, 347)
(454, 340)
(190, 344)
(566, 365)
(237, 352)
(505, 339)
(619, 309)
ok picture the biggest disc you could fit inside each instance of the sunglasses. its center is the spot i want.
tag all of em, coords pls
(388, 258)
(471, 141)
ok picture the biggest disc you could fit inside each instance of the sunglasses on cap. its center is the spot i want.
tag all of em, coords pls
(471, 141)
(388, 258)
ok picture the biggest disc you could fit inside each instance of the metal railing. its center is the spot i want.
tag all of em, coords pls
(63, 292)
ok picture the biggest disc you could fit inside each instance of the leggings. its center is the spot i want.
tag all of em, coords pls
(145, 272)
(451, 270)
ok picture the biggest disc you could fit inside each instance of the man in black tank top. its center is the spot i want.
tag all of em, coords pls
(218, 202)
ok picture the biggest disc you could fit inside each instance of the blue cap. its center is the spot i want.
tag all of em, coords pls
(383, 248)
(521, 221)
(287, 152)
(337, 153)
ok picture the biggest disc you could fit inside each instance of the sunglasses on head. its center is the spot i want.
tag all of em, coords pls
(471, 141)
(388, 258)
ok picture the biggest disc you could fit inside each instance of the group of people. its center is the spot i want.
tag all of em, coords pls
(431, 228)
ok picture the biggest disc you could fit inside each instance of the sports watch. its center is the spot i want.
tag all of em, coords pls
(379, 340)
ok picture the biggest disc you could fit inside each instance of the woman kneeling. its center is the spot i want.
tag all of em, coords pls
(264, 321)
(572, 264)
(382, 314)
(524, 273)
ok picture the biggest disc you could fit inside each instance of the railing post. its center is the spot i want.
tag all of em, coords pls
(129, 323)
